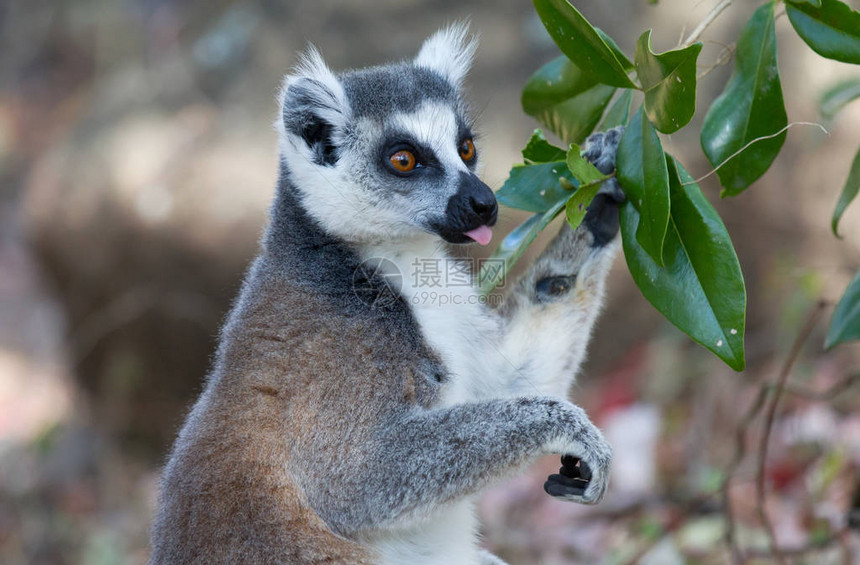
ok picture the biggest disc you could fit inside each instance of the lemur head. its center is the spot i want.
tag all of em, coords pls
(388, 152)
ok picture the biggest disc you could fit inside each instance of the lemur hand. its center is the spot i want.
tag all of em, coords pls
(602, 216)
(585, 463)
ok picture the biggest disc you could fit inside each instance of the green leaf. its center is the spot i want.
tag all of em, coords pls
(537, 188)
(669, 82)
(584, 171)
(845, 323)
(641, 166)
(836, 97)
(849, 191)
(750, 107)
(576, 118)
(539, 150)
(831, 29)
(499, 264)
(553, 83)
(577, 205)
(700, 289)
(582, 43)
(619, 113)
(590, 179)
(619, 54)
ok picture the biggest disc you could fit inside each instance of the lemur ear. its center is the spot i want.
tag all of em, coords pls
(449, 52)
(314, 107)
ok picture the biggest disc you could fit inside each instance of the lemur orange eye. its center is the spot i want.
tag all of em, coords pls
(403, 161)
(467, 149)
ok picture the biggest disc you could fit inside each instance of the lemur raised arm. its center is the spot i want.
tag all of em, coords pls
(346, 420)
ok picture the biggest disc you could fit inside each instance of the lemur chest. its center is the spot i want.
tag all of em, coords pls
(448, 537)
(453, 319)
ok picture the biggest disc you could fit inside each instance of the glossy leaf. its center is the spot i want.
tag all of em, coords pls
(845, 323)
(831, 29)
(669, 83)
(582, 43)
(494, 270)
(581, 168)
(700, 289)
(590, 179)
(849, 192)
(750, 107)
(537, 188)
(539, 150)
(576, 118)
(836, 97)
(641, 169)
(619, 113)
(577, 205)
(619, 54)
(555, 82)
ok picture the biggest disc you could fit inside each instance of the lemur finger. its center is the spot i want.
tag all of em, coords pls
(602, 219)
(561, 486)
(574, 468)
(600, 149)
(570, 460)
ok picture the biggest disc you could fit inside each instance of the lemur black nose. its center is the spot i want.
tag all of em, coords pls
(484, 205)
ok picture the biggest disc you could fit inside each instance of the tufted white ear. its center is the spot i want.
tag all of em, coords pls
(313, 104)
(449, 52)
(312, 74)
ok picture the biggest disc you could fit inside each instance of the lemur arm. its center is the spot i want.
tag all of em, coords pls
(422, 459)
(549, 315)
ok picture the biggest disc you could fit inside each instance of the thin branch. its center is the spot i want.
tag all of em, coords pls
(824, 395)
(739, 454)
(723, 58)
(781, 379)
(756, 140)
(709, 19)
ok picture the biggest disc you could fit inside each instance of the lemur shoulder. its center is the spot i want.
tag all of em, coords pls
(344, 421)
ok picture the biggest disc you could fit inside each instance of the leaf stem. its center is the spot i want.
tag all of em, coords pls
(756, 140)
(596, 181)
(712, 15)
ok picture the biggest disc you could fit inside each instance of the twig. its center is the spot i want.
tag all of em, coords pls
(722, 59)
(709, 19)
(802, 336)
(824, 395)
(756, 140)
(740, 452)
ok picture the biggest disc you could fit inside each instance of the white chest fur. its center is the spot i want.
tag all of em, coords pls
(448, 537)
(453, 318)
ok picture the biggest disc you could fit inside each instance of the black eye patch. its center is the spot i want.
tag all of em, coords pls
(404, 142)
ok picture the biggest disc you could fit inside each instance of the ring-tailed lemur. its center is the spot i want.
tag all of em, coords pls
(337, 429)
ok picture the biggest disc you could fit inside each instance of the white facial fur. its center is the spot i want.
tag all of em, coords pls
(353, 196)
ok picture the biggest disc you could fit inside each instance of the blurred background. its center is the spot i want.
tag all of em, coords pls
(137, 161)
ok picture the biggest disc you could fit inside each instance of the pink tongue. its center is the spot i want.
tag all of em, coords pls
(482, 235)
